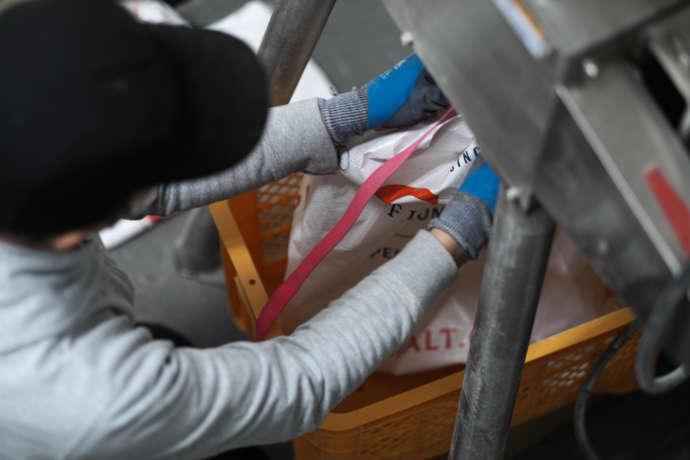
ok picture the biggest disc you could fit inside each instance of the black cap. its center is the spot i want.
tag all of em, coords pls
(95, 105)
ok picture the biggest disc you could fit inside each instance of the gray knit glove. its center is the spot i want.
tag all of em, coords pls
(468, 215)
(400, 97)
(345, 115)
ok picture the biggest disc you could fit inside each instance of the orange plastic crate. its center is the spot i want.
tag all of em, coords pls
(408, 417)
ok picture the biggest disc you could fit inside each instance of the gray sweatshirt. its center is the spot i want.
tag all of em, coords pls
(78, 378)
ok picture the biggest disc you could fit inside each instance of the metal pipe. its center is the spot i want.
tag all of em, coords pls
(289, 41)
(510, 289)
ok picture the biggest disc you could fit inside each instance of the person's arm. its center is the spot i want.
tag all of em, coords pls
(304, 136)
(168, 402)
(295, 139)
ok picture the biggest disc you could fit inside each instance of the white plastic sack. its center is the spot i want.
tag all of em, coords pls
(416, 193)
(434, 172)
(154, 11)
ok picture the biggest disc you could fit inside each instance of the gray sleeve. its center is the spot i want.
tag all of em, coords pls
(189, 403)
(295, 139)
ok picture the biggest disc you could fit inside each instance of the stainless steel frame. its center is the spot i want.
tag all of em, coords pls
(290, 38)
(511, 285)
(556, 94)
(552, 90)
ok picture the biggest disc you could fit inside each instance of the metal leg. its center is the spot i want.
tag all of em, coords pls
(197, 249)
(513, 276)
(290, 38)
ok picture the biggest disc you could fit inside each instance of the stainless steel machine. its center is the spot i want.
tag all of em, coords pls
(583, 108)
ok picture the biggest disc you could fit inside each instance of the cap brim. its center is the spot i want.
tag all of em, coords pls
(224, 99)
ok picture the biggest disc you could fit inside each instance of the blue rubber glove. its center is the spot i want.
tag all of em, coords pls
(400, 97)
(403, 96)
(468, 215)
(482, 183)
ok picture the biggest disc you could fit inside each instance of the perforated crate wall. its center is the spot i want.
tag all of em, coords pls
(276, 203)
(425, 431)
(422, 431)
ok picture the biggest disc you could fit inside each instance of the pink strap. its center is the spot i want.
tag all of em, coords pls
(289, 288)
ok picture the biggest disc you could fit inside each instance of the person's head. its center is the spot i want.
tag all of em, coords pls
(95, 106)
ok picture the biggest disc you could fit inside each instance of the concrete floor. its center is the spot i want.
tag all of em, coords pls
(358, 42)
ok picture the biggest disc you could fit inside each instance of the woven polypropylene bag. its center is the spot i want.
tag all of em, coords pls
(416, 193)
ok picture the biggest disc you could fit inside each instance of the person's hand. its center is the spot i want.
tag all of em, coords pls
(403, 95)
(468, 215)
(400, 97)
